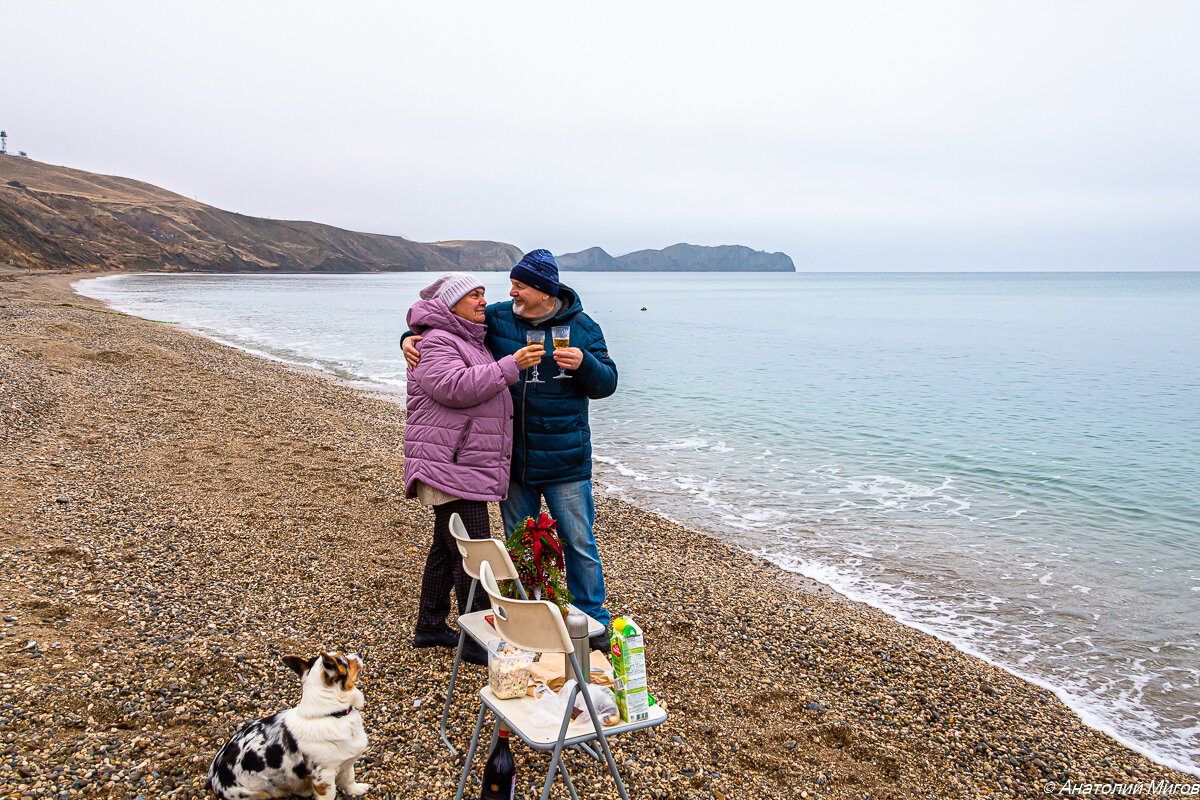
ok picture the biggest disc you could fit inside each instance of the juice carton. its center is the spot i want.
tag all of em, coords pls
(629, 670)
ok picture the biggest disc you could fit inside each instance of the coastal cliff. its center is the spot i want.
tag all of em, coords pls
(55, 217)
(680, 258)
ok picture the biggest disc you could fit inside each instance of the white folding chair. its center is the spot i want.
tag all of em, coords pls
(537, 625)
(475, 552)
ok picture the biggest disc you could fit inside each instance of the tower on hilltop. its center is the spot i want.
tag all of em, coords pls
(4, 146)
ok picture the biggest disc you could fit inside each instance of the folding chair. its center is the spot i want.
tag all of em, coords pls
(474, 552)
(537, 625)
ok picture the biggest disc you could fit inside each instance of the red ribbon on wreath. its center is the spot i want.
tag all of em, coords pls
(538, 556)
(544, 542)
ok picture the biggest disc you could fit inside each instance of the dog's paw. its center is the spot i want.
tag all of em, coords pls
(357, 789)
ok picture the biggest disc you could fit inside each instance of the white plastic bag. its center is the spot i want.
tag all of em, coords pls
(602, 699)
(547, 707)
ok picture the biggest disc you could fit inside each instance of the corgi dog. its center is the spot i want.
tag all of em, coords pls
(308, 750)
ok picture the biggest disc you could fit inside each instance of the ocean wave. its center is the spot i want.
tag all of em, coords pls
(1111, 698)
(694, 443)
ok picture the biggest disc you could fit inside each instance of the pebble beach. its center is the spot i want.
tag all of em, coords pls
(177, 515)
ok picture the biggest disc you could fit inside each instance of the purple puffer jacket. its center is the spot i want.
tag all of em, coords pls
(458, 435)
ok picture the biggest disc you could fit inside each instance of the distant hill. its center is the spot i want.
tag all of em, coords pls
(680, 258)
(54, 216)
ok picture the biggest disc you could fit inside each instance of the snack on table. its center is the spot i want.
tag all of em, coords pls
(508, 669)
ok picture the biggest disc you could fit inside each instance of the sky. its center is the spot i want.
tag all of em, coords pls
(967, 135)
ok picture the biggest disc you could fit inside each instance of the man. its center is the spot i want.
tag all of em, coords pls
(552, 449)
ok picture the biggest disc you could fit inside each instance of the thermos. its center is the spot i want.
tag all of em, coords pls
(577, 627)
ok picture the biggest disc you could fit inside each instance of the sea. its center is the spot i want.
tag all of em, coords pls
(1007, 461)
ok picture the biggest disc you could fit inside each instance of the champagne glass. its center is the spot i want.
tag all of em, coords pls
(561, 334)
(535, 337)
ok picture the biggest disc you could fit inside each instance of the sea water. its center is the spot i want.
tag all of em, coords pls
(1010, 462)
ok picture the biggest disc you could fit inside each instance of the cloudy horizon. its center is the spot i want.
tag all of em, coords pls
(938, 136)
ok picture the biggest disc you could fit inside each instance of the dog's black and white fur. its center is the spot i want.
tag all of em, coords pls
(308, 750)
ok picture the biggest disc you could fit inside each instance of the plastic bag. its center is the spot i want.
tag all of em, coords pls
(602, 698)
(508, 669)
(547, 707)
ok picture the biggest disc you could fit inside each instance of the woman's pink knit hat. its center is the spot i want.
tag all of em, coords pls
(451, 287)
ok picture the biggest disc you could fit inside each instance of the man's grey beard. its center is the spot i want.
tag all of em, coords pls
(518, 308)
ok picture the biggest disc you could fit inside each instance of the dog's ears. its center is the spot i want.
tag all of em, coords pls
(299, 664)
(354, 666)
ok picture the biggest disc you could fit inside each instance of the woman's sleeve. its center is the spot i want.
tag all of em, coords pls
(445, 376)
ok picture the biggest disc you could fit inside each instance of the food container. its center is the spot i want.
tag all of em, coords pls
(508, 669)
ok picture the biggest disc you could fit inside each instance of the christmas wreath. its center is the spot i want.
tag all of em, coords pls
(537, 554)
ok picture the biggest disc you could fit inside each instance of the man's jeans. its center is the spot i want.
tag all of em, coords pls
(572, 508)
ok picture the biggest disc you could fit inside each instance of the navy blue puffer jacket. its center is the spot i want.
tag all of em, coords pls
(552, 441)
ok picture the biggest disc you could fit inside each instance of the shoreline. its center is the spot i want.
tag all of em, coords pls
(1088, 712)
(392, 394)
(844, 699)
(805, 583)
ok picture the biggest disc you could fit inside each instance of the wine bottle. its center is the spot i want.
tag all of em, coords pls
(500, 772)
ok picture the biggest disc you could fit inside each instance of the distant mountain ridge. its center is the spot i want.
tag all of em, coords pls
(679, 258)
(53, 216)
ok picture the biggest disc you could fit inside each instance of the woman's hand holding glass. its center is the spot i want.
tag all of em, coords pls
(529, 355)
(537, 339)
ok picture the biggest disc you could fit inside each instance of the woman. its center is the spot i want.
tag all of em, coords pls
(457, 440)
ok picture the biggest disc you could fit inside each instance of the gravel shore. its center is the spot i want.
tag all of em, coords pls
(176, 515)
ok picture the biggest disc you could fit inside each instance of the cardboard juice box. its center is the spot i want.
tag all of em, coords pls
(629, 670)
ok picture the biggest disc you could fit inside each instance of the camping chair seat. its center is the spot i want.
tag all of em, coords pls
(537, 625)
(474, 552)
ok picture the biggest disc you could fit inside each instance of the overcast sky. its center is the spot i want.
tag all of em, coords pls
(849, 135)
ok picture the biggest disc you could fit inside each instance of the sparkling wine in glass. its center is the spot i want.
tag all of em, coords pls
(535, 337)
(561, 334)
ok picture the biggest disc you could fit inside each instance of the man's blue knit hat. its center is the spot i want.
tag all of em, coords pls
(538, 269)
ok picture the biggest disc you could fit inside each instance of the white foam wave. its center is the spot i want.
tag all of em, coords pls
(1121, 714)
(695, 443)
(621, 468)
